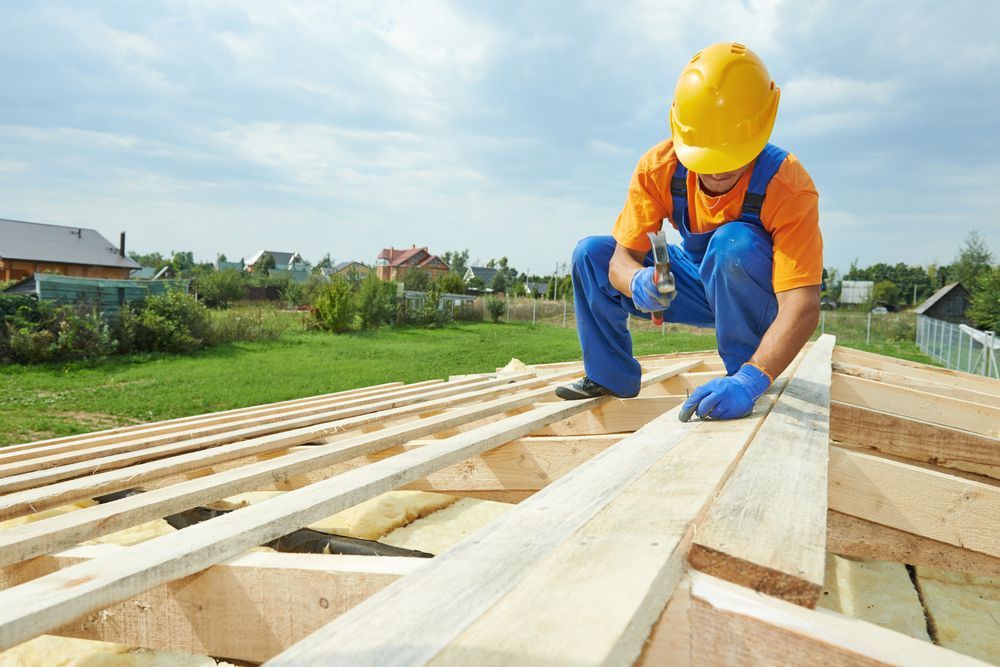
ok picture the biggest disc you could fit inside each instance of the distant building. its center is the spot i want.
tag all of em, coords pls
(107, 295)
(225, 265)
(352, 271)
(536, 288)
(286, 264)
(393, 263)
(948, 303)
(856, 291)
(27, 248)
(483, 273)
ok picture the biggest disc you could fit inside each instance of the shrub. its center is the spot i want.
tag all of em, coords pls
(431, 314)
(170, 322)
(30, 346)
(83, 333)
(293, 294)
(221, 288)
(376, 302)
(240, 325)
(495, 307)
(335, 306)
(451, 283)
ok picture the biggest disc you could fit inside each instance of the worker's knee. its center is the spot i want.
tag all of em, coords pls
(593, 251)
(738, 249)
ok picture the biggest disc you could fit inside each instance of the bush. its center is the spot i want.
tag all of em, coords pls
(242, 325)
(170, 322)
(336, 306)
(451, 283)
(33, 332)
(83, 333)
(431, 314)
(293, 294)
(984, 311)
(376, 302)
(221, 289)
(495, 307)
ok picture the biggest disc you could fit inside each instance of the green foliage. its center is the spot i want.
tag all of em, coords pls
(495, 307)
(34, 332)
(499, 282)
(182, 262)
(457, 261)
(417, 280)
(169, 322)
(294, 294)
(243, 325)
(519, 290)
(325, 263)
(264, 264)
(431, 314)
(376, 302)
(220, 289)
(904, 276)
(984, 310)
(153, 259)
(335, 306)
(476, 283)
(885, 291)
(450, 283)
(973, 261)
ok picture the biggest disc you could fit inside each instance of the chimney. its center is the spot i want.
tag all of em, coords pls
(121, 245)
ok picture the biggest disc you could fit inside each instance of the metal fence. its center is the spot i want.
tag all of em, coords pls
(958, 346)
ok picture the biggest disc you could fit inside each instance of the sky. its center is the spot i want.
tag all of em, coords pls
(508, 128)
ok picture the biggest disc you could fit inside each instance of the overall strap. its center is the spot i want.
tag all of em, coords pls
(766, 166)
(678, 192)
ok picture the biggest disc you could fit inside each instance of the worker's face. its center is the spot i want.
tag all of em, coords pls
(724, 182)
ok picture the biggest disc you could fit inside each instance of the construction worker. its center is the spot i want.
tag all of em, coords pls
(750, 260)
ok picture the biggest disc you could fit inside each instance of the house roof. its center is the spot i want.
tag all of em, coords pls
(281, 259)
(481, 272)
(937, 296)
(343, 266)
(39, 242)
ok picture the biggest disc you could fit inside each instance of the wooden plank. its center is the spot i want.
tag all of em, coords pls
(669, 641)
(943, 386)
(914, 439)
(924, 502)
(48, 469)
(250, 608)
(614, 416)
(33, 500)
(53, 600)
(732, 625)
(982, 419)
(916, 370)
(46, 535)
(767, 529)
(850, 536)
(615, 527)
(685, 383)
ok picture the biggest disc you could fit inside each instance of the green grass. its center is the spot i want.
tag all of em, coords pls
(62, 399)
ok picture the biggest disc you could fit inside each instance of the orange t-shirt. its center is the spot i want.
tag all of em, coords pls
(790, 213)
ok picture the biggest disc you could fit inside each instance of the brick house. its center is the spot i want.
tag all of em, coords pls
(393, 263)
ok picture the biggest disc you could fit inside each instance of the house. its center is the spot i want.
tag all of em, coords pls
(283, 261)
(392, 263)
(856, 291)
(225, 265)
(481, 272)
(536, 288)
(948, 303)
(352, 271)
(27, 248)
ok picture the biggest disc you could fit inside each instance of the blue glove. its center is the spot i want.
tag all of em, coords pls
(729, 397)
(645, 296)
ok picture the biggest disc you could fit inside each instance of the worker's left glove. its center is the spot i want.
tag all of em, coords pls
(730, 397)
(645, 296)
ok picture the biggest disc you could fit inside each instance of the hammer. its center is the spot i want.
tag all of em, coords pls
(661, 264)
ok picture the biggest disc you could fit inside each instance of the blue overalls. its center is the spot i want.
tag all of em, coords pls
(723, 280)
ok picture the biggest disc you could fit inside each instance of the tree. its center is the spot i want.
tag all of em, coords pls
(325, 263)
(153, 259)
(182, 262)
(335, 306)
(417, 280)
(220, 289)
(264, 264)
(885, 291)
(450, 283)
(972, 262)
(984, 311)
(499, 282)
(457, 261)
(376, 301)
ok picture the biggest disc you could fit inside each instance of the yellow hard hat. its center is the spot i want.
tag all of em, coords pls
(724, 108)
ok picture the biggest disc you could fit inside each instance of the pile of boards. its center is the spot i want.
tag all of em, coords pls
(629, 537)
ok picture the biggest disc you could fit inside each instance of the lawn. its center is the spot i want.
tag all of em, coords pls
(59, 399)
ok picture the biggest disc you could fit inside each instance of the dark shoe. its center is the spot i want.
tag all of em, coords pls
(583, 388)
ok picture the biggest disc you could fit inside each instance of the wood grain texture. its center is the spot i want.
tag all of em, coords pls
(51, 601)
(731, 625)
(914, 439)
(614, 416)
(249, 608)
(669, 642)
(974, 417)
(767, 529)
(850, 536)
(603, 545)
(943, 386)
(916, 370)
(929, 503)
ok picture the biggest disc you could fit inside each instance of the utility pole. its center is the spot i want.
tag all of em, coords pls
(555, 283)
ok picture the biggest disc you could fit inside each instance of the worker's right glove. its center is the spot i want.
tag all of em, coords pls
(645, 296)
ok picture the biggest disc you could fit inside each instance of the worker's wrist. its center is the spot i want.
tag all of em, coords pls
(755, 378)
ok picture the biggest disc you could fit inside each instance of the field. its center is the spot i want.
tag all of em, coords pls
(53, 400)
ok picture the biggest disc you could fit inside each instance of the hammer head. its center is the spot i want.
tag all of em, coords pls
(661, 262)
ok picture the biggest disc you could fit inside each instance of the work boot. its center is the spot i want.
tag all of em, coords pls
(583, 388)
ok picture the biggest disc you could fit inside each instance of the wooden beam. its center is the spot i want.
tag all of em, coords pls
(917, 500)
(615, 528)
(914, 439)
(46, 470)
(685, 383)
(914, 369)
(250, 608)
(33, 500)
(943, 386)
(53, 600)
(614, 416)
(669, 642)
(850, 536)
(974, 417)
(732, 625)
(767, 530)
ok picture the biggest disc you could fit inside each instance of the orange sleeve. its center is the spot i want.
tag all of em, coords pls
(648, 202)
(793, 220)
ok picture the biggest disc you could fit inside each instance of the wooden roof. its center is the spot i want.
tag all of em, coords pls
(636, 538)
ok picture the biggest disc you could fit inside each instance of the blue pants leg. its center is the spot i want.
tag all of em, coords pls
(737, 274)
